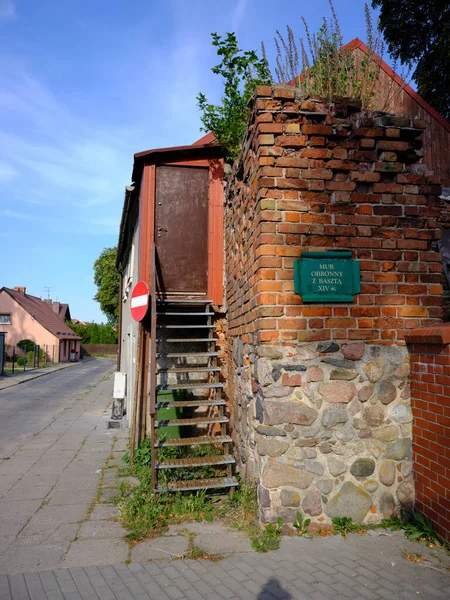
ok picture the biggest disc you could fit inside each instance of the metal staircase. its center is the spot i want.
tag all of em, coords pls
(186, 399)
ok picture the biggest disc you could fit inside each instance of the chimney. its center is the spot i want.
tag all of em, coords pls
(56, 306)
(20, 289)
(48, 301)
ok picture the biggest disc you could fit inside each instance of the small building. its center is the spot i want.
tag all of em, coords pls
(23, 316)
(306, 375)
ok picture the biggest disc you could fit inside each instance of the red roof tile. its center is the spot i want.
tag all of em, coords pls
(43, 313)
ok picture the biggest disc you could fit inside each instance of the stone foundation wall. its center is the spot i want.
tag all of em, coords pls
(320, 392)
(328, 430)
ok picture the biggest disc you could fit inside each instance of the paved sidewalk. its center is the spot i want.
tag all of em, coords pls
(59, 539)
(7, 381)
(330, 568)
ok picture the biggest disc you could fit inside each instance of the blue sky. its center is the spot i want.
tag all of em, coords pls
(84, 85)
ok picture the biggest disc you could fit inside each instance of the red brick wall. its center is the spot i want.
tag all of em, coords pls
(430, 402)
(316, 176)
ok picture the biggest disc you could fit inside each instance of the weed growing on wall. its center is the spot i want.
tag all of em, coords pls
(321, 66)
(241, 72)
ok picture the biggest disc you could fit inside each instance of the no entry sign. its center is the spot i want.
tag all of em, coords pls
(139, 301)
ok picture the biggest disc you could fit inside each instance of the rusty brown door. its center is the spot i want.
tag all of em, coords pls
(181, 228)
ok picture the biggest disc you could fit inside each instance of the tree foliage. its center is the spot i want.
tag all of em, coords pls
(93, 333)
(241, 73)
(419, 30)
(106, 278)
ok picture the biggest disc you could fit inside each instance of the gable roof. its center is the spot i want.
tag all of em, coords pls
(43, 313)
(358, 44)
(64, 312)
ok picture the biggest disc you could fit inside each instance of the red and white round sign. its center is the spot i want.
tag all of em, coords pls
(139, 301)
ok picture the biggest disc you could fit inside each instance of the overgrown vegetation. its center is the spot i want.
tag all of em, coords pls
(94, 333)
(420, 529)
(301, 525)
(323, 66)
(269, 538)
(142, 460)
(344, 526)
(147, 515)
(241, 73)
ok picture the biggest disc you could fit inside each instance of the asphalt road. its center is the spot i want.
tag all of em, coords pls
(29, 408)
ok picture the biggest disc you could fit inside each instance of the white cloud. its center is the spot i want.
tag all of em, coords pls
(238, 14)
(7, 10)
(7, 172)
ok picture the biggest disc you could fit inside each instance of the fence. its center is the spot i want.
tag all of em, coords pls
(17, 360)
(109, 350)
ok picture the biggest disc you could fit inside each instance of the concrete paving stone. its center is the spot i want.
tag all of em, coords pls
(108, 494)
(63, 533)
(21, 558)
(71, 497)
(101, 530)
(63, 514)
(18, 508)
(164, 547)
(228, 542)
(32, 480)
(10, 528)
(100, 552)
(35, 492)
(103, 511)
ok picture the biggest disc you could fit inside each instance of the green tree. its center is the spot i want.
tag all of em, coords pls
(419, 30)
(106, 278)
(241, 73)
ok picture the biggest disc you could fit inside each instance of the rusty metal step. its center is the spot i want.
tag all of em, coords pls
(193, 421)
(189, 386)
(198, 484)
(190, 403)
(182, 301)
(186, 314)
(188, 369)
(186, 326)
(198, 461)
(195, 441)
(185, 354)
(186, 340)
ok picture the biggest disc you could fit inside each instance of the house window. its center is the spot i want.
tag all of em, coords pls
(5, 319)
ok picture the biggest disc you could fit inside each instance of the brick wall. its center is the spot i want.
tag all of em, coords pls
(430, 401)
(316, 176)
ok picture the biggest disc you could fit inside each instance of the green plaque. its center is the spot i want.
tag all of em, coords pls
(326, 277)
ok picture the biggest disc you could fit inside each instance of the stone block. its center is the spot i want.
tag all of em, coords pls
(333, 415)
(350, 501)
(279, 474)
(400, 450)
(362, 467)
(312, 504)
(336, 466)
(289, 497)
(337, 391)
(271, 447)
(297, 413)
(387, 472)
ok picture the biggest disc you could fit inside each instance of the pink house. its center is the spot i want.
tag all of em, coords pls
(27, 317)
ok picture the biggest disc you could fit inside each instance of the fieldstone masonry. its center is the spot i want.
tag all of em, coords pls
(321, 392)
